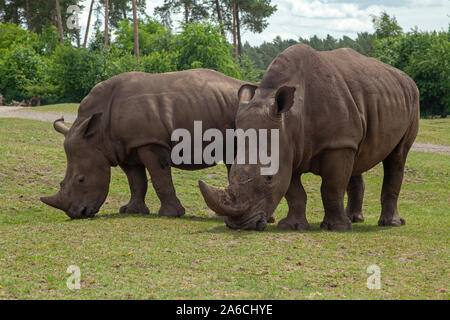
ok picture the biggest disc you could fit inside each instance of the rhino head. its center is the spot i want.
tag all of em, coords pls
(251, 198)
(86, 182)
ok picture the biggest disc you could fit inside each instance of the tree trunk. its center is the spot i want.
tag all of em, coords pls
(77, 32)
(234, 30)
(136, 35)
(219, 17)
(186, 12)
(238, 29)
(60, 28)
(88, 23)
(106, 24)
(28, 14)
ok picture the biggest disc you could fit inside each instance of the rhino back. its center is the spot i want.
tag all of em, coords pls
(146, 108)
(346, 100)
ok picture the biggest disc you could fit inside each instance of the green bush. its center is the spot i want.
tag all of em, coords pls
(200, 45)
(425, 57)
(159, 62)
(20, 67)
(74, 71)
(430, 69)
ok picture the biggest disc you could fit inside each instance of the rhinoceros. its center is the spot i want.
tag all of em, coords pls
(339, 114)
(128, 121)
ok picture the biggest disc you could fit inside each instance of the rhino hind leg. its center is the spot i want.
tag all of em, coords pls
(335, 169)
(296, 199)
(393, 167)
(157, 161)
(355, 192)
(137, 179)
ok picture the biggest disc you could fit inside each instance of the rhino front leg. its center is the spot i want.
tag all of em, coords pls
(296, 199)
(157, 161)
(137, 179)
(355, 192)
(335, 169)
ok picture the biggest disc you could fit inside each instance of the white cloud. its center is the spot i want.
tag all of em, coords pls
(305, 18)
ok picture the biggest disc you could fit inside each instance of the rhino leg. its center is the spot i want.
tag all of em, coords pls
(157, 161)
(393, 166)
(355, 192)
(335, 169)
(296, 199)
(137, 179)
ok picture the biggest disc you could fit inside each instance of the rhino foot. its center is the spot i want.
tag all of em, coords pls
(289, 224)
(172, 211)
(356, 217)
(393, 222)
(133, 207)
(336, 225)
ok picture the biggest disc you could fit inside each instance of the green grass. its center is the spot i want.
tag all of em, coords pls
(196, 256)
(431, 130)
(434, 131)
(62, 108)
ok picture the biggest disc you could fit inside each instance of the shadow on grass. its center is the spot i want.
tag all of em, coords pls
(314, 228)
(272, 228)
(116, 215)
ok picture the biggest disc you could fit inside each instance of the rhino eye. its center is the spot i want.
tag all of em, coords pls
(269, 178)
(81, 179)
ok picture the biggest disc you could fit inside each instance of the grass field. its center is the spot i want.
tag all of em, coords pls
(196, 256)
(434, 131)
(61, 107)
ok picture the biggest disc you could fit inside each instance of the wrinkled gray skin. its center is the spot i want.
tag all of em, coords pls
(128, 121)
(339, 114)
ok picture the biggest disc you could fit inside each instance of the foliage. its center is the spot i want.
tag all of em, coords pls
(152, 36)
(430, 69)
(157, 62)
(425, 57)
(19, 68)
(200, 45)
(74, 71)
(385, 26)
(37, 64)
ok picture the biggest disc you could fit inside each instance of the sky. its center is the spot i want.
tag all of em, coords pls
(305, 18)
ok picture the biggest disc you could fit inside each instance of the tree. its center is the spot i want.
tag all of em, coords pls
(88, 23)
(60, 28)
(235, 15)
(106, 24)
(119, 10)
(28, 15)
(252, 15)
(136, 35)
(219, 16)
(430, 69)
(193, 10)
(385, 26)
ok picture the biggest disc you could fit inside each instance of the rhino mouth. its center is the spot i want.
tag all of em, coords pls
(256, 221)
(82, 212)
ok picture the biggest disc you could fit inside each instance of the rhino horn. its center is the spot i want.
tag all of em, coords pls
(60, 126)
(222, 200)
(53, 201)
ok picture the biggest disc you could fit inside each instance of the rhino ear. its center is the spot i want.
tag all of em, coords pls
(284, 99)
(246, 92)
(91, 125)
